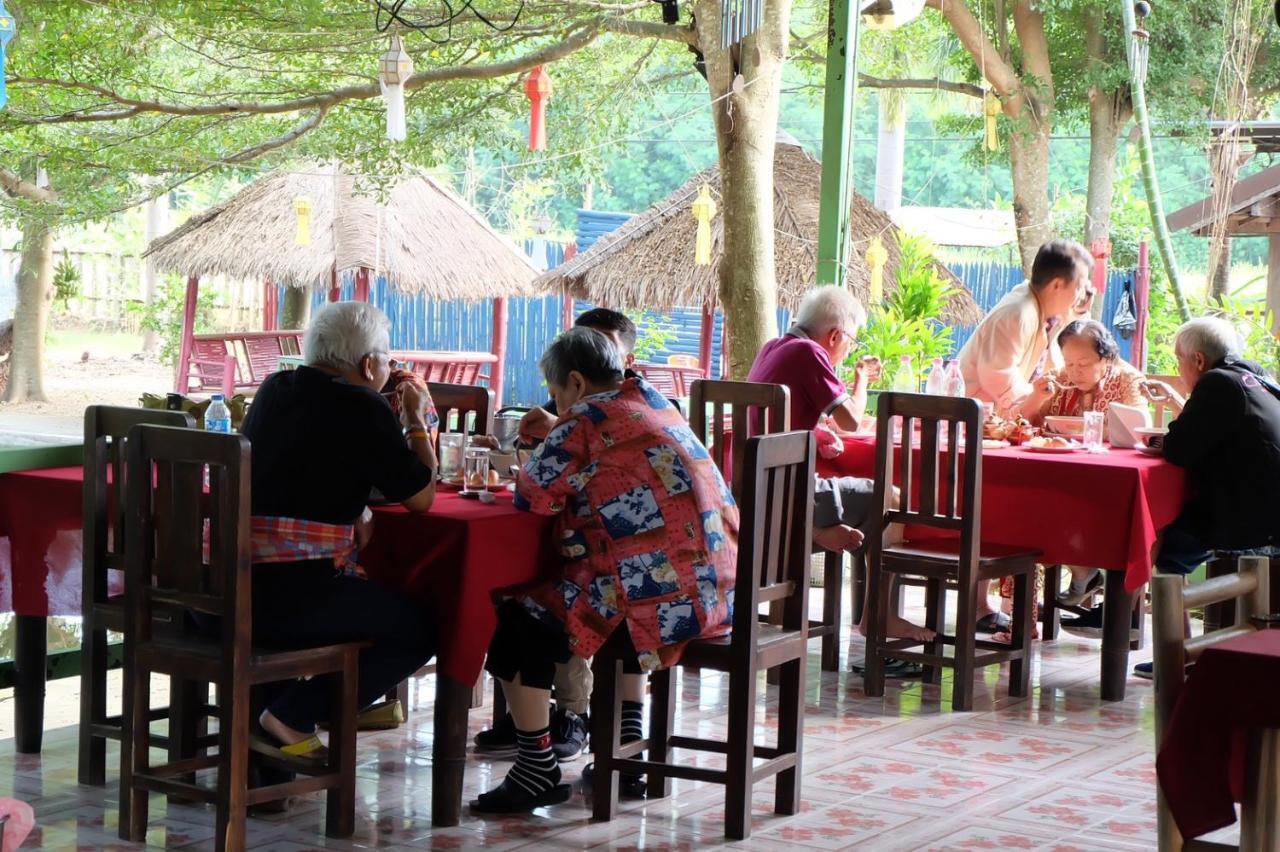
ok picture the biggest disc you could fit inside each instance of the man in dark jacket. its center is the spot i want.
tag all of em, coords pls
(1227, 437)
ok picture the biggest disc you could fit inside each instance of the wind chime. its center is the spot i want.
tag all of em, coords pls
(991, 109)
(704, 210)
(302, 209)
(537, 88)
(394, 70)
(6, 36)
(877, 255)
(739, 19)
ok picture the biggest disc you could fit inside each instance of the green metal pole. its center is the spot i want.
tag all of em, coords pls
(837, 140)
(1146, 156)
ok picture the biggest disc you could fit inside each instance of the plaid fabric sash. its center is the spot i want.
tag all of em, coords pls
(277, 539)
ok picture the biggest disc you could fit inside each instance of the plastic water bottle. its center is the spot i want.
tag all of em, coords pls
(217, 418)
(936, 384)
(904, 380)
(955, 379)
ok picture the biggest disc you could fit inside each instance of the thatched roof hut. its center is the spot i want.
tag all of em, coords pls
(423, 239)
(648, 261)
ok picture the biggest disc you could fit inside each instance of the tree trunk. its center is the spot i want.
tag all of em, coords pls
(746, 130)
(1108, 112)
(297, 307)
(1029, 165)
(31, 314)
(1220, 269)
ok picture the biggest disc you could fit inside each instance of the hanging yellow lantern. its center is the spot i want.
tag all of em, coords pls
(876, 257)
(302, 207)
(704, 210)
(991, 108)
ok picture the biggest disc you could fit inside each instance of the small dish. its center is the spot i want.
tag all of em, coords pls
(992, 444)
(1149, 451)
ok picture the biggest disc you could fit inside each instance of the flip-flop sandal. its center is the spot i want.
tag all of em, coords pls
(629, 786)
(895, 669)
(994, 622)
(383, 716)
(509, 798)
(311, 750)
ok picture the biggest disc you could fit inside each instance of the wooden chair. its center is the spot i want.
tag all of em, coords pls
(463, 408)
(1170, 603)
(105, 430)
(168, 577)
(756, 408)
(773, 567)
(955, 477)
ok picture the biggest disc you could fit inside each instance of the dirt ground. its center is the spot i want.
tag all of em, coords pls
(82, 369)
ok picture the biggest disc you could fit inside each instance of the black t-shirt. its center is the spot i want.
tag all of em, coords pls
(320, 445)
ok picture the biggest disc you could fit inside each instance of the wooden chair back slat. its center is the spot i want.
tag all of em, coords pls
(755, 408)
(775, 522)
(463, 408)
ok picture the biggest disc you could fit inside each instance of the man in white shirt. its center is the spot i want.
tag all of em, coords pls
(1016, 345)
(1018, 340)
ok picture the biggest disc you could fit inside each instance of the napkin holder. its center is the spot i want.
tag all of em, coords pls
(1122, 420)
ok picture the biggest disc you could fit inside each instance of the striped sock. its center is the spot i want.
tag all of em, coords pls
(536, 769)
(632, 721)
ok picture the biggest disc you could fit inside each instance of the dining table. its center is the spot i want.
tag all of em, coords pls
(1099, 510)
(454, 560)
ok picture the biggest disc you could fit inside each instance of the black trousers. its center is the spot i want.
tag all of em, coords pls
(299, 605)
(522, 645)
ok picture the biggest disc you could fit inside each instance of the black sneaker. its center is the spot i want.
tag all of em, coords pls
(1144, 670)
(1090, 624)
(568, 734)
(500, 740)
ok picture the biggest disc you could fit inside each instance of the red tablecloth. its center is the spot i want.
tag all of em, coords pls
(1102, 510)
(451, 559)
(1233, 688)
(454, 559)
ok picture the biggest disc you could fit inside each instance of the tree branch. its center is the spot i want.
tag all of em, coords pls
(936, 84)
(1028, 22)
(279, 141)
(998, 73)
(19, 188)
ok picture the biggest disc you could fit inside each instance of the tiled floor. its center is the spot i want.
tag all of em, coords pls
(1060, 770)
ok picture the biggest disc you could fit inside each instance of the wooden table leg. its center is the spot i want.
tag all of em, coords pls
(449, 751)
(31, 647)
(1049, 607)
(1117, 620)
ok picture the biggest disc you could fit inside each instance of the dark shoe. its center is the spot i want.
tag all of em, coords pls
(629, 786)
(1146, 671)
(994, 622)
(568, 734)
(894, 669)
(510, 798)
(500, 740)
(1093, 584)
(1090, 624)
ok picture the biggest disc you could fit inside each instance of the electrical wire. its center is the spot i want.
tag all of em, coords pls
(388, 14)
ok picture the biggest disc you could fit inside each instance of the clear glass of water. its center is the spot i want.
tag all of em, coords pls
(475, 470)
(451, 444)
(1093, 431)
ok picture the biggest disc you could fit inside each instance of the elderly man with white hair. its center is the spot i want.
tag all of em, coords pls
(1227, 436)
(805, 360)
(323, 436)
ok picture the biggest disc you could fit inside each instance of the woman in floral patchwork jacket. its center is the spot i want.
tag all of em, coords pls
(648, 531)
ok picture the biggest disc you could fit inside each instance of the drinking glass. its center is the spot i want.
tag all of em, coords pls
(475, 469)
(451, 454)
(1093, 431)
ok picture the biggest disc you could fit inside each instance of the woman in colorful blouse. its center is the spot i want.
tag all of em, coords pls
(1093, 376)
(648, 531)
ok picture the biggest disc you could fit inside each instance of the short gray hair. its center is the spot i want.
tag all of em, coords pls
(1213, 337)
(585, 350)
(828, 307)
(340, 334)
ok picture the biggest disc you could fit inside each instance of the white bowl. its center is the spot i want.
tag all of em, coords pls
(1064, 425)
(1146, 433)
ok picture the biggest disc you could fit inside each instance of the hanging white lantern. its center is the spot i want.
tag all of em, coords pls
(890, 14)
(394, 70)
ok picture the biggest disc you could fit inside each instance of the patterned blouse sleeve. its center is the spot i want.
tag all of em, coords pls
(552, 473)
(1130, 390)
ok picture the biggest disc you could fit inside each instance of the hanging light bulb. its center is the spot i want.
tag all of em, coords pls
(991, 109)
(704, 210)
(394, 70)
(6, 36)
(302, 209)
(877, 254)
(537, 88)
(890, 14)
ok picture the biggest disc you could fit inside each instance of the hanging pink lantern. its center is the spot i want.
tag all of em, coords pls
(537, 87)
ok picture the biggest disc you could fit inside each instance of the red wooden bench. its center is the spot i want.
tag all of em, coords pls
(235, 362)
(453, 368)
(670, 379)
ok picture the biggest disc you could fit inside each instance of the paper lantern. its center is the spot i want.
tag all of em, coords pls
(991, 109)
(394, 70)
(704, 210)
(6, 36)
(537, 88)
(877, 254)
(302, 207)
(890, 14)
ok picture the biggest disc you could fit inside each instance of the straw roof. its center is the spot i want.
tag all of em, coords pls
(423, 239)
(648, 261)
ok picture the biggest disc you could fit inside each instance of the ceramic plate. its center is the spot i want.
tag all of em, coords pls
(1151, 451)
(991, 444)
(1071, 449)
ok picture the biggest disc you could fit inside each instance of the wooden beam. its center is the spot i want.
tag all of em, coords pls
(1273, 280)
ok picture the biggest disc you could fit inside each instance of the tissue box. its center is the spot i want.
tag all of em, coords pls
(1122, 420)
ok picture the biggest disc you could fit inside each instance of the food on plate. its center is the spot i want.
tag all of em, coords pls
(493, 477)
(1016, 431)
(1021, 432)
(476, 480)
(1050, 442)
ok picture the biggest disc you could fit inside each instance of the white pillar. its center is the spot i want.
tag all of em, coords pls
(157, 225)
(1273, 279)
(890, 149)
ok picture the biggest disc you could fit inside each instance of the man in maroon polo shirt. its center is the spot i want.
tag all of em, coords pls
(804, 360)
